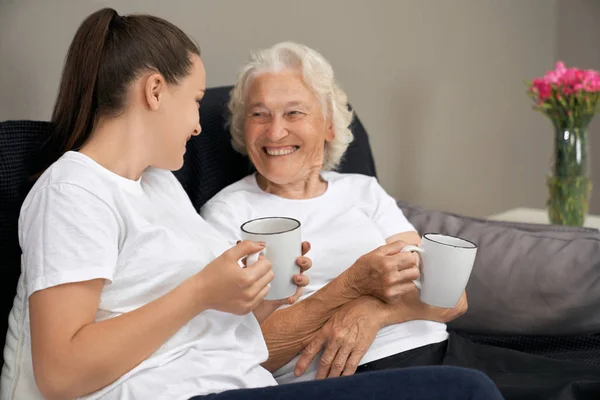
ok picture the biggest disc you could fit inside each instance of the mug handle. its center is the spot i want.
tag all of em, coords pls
(420, 251)
(252, 258)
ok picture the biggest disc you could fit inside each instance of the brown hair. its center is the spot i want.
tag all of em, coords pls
(107, 53)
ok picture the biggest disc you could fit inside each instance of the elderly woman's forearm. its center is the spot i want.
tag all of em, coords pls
(392, 314)
(411, 308)
(289, 330)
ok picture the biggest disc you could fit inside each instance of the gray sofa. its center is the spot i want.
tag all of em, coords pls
(534, 288)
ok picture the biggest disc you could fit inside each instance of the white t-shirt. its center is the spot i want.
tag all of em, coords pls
(353, 217)
(81, 222)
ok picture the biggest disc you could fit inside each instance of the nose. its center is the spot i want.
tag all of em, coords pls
(277, 129)
(197, 130)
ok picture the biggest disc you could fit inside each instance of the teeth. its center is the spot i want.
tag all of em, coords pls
(281, 152)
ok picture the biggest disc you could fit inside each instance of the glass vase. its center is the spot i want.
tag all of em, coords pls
(569, 181)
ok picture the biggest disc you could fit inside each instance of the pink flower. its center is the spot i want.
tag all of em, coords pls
(573, 80)
(566, 91)
(555, 76)
(552, 77)
(594, 86)
(543, 88)
(591, 81)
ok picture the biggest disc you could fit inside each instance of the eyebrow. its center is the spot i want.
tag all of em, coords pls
(290, 104)
(256, 104)
(296, 103)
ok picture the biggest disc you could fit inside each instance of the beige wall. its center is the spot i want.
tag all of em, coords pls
(437, 83)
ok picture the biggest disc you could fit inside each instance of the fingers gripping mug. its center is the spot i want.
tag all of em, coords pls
(283, 246)
(446, 263)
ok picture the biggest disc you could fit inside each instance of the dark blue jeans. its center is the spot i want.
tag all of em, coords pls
(421, 383)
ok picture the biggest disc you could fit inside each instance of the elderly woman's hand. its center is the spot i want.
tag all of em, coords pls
(346, 337)
(413, 308)
(386, 273)
(300, 279)
(267, 307)
(450, 314)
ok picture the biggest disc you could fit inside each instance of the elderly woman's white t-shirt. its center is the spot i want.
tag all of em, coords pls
(81, 222)
(353, 217)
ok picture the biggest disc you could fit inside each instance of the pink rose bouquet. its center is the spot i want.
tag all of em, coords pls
(570, 98)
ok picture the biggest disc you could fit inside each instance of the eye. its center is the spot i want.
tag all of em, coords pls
(260, 116)
(295, 114)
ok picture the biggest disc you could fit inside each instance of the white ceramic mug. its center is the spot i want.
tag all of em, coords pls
(283, 247)
(446, 263)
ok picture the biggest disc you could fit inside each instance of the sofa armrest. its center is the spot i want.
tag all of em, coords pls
(528, 279)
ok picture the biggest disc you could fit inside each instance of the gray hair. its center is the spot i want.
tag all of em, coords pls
(316, 73)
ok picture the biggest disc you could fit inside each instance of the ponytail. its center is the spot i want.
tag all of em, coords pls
(76, 106)
(107, 53)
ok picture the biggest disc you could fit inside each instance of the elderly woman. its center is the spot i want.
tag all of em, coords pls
(291, 118)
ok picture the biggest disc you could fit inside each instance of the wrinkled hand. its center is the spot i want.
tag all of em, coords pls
(385, 273)
(300, 279)
(419, 310)
(346, 337)
(450, 314)
(268, 307)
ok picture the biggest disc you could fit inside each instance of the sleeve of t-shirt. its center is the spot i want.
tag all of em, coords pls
(387, 215)
(223, 218)
(67, 234)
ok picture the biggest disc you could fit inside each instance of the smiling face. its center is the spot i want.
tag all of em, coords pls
(285, 129)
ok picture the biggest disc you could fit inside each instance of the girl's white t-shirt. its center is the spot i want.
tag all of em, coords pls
(81, 222)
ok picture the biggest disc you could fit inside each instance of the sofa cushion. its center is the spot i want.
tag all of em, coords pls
(528, 279)
(575, 348)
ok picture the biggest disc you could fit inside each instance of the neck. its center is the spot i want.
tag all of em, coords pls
(114, 144)
(310, 186)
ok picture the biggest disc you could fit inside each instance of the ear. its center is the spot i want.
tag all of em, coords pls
(154, 90)
(330, 134)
